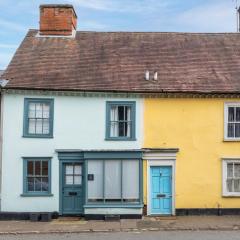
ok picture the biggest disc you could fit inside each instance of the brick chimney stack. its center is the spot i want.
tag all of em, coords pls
(57, 19)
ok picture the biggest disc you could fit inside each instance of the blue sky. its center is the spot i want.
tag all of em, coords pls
(17, 16)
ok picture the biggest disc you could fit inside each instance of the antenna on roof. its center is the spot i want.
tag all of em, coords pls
(237, 15)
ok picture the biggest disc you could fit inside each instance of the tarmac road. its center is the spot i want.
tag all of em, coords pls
(183, 235)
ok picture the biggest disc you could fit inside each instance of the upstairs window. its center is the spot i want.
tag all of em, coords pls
(38, 118)
(120, 121)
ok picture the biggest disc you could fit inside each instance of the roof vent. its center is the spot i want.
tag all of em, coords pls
(147, 75)
(155, 76)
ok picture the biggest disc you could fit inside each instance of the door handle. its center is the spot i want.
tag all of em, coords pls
(161, 195)
(72, 193)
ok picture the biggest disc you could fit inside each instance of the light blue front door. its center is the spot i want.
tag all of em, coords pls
(161, 190)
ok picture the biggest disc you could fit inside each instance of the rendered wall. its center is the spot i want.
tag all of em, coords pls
(196, 127)
(79, 123)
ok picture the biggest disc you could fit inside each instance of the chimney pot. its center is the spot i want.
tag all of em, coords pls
(57, 19)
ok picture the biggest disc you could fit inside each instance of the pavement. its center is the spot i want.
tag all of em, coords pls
(169, 235)
(147, 224)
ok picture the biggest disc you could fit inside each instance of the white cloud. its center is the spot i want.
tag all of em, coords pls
(214, 17)
(121, 6)
(8, 46)
(92, 25)
(5, 58)
(12, 25)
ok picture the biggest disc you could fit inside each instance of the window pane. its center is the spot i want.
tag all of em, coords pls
(238, 114)
(130, 180)
(114, 129)
(44, 168)
(69, 180)
(230, 130)
(112, 180)
(46, 110)
(95, 187)
(37, 168)
(128, 134)
(39, 113)
(45, 184)
(45, 126)
(78, 180)
(31, 126)
(236, 185)
(121, 129)
(230, 185)
(121, 113)
(230, 170)
(31, 110)
(39, 126)
(69, 169)
(78, 169)
(237, 130)
(30, 168)
(231, 117)
(30, 184)
(38, 184)
(114, 113)
(236, 170)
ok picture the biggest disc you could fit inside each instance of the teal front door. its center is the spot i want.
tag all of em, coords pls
(72, 188)
(161, 190)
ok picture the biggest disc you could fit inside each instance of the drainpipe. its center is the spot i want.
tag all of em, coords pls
(1, 138)
(3, 83)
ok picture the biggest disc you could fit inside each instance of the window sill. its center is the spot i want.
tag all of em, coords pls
(37, 136)
(231, 195)
(122, 139)
(36, 195)
(231, 140)
(137, 205)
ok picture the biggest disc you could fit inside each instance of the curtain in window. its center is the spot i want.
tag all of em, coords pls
(233, 177)
(37, 176)
(112, 180)
(233, 122)
(128, 121)
(95, 187)
(114, 122)
(130, 180)
(38, 115)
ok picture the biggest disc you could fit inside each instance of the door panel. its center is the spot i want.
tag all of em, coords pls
(161, 190)
(72, 195)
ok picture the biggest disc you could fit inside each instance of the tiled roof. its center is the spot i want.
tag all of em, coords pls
(117, 61)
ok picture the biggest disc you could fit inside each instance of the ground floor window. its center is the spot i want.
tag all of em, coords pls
(36, 179)
(231, 177)
(114, 181)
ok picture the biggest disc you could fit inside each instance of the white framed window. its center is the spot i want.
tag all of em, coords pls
(231, 177)
(232, 121)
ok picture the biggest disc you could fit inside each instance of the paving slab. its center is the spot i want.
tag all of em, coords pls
(124, 225)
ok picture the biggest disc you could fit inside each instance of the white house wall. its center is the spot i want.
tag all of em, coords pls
(79, 123)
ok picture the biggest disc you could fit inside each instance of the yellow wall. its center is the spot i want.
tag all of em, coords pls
(195, 126)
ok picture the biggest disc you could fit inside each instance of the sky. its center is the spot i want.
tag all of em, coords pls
(17, 16)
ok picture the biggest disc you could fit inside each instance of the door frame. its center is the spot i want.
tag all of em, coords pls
(160, 160)
(61, 163)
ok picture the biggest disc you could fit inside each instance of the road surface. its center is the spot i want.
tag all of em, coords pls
(175, 235)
